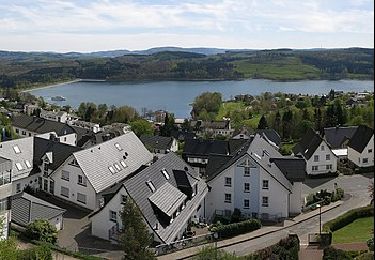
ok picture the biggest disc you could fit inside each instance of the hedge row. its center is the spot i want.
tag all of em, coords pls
(331, 253)
(225, 231)
(347, 218)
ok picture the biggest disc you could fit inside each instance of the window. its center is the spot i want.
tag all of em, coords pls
(314, 168)
(18, 187)
(23, 132)
(82, 180)
(123, 164)
(247, 187)
(28, 164)
(246, 204)
(316, 158)
(247, 172)
(369, 150)
(3, 204)
(112, 216)
(5, 177)
(265, 202)
(322, 148)
(329, 167)
(227, 198)
(365, 160)
(151, 186)
(65, 175)
(118, 147)
(64, 192)
(45, 185)
(265, 185)
(228, 182)
(165, 173)
(81, 198)
(118, 168)
(328, 157)
(17, 131)
(111, 169)
(19, 166)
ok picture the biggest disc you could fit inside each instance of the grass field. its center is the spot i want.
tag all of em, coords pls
(359, 231)
(228, 107)
(285, 69)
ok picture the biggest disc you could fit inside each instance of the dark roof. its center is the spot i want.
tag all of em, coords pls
(361, 138)
(235, 144)
(271, 135)
(308, 144)
(157, 142)
(293, 168)
(182, 135)
(27, 208)
(60, 151)
(336, 136)
(205, 147)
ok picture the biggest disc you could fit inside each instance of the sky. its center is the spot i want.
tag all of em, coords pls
(91, 25)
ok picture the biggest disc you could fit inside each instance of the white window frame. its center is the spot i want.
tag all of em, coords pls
(244, 187)
(112, 215)
(82, 180)
(329, 167)
(316, 158)
(66, 173)
(265, 202)
(246, 171)
(227, 181)
(165, 173)
(66, 189)
(19, 166)
(246, 201)
(122, 162)
(328, 157)
(314, 168)
(82, 195)
(265, 187)
(111, 169)
(226, 196)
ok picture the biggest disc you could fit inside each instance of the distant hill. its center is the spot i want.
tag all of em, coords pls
(28, 69)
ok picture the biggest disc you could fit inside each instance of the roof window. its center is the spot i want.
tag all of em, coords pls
(165, 173)
(16, 149)
(19, 166)
(111, 169)
(28, 164)
(123, 163)
(151, 186)
(118, 147)
(117, 167)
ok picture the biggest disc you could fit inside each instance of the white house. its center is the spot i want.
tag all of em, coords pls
(159, 144)
(361, 147)
(257, 180)
(57, 116)
(5, 196)
(169, 194)
(85, 174)
(318, 154)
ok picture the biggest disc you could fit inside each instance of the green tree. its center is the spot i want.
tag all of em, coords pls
(208, 101)
(263, 123)
(168, 127)
(142, 127)
(135, 238)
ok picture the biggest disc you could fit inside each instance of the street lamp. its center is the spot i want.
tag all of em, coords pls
(320, 217)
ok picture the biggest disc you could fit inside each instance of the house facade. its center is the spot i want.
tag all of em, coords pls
(5, 196)
(361, 147)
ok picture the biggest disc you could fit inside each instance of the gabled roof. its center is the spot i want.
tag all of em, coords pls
(308, 144)
(361, 138)
(137, 188)
(157, 142)
(271, 135)
(235, 144)
(96, 161)
(293, 168)
(27, 208)
(58, 151)
(202, 147)
(336, 136)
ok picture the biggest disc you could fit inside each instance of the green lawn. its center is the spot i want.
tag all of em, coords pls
(229, 107)
(358, 231)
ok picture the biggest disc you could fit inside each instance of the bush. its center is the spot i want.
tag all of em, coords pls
(42, 230)
(370, 244)
(285, 249)
(42, 252)
(331, 253)
(347, 218)
(236, 216)
(231, 230)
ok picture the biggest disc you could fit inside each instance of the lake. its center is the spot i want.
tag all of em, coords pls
(175, 96)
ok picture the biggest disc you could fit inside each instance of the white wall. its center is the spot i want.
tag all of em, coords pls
(357, 158)
(23, 132)
(57, 222)
(296, 200)
(322, 162)
(32, 181)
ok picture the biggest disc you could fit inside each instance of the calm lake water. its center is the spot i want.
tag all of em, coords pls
(175, 96)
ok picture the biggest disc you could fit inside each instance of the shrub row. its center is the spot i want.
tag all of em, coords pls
(42, 252)
(331, 253)
(347, 218)
(325, 197)
(230, 230)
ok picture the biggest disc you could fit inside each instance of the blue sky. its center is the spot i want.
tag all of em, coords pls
(86, 25)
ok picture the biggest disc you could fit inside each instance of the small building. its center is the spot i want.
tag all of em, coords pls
(213, 128)
(361, 147)
(159, 144)
(57, 116)
(317, 152)
(338, 138)
(27, 208)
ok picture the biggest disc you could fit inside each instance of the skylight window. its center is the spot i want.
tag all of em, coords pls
(118, 147)
(19, 166)
(123, 164)
(151, 186)
(28, 164)
(165, 173)
(16, 149)
(111, 169)
(117, 167)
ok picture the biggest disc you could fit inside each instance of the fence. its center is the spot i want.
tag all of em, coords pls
(184, 243)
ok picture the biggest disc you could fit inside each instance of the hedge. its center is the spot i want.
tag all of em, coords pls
(42, 252)
(225, 231)
(331, 253)
(347, 218)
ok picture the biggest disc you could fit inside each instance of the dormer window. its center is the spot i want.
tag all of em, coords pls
(28, 164)
(111, 169)
(19, 166)
(123, 164)
(117, 167)
(151, 186)
(165, 173)
(265, 153)
(16, 149)
(118, 147)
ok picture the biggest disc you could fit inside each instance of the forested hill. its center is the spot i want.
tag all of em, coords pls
(23, 69)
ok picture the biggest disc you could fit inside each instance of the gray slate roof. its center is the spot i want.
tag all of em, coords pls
(336, 136)
(95, 161)
(293, 168)
(27, 208)
(308, 144)
(271, 135)
(157, 142)
(200, 147)
(361, 138)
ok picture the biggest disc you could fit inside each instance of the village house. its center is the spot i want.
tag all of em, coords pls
(318, 154)
(159, 145)
(361, 147)
(213, 128)
(338, 138)
(169, 194)
(269, 134)
(57, 116)
(5, 195)
(257, 180)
